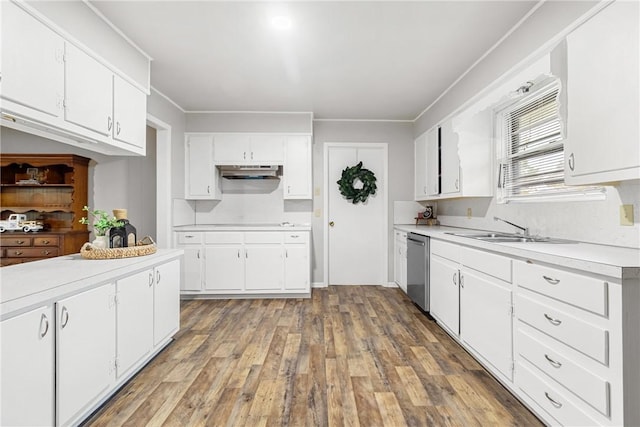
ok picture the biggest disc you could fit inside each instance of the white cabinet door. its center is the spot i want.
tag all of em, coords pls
(444, 292)
(134, 330)
(88, 92)
(267, 149)
(297, 173)
(224, 267)
(296, 267)
(129, 113)
(32, 66)
(485, 319)
(166, 301)
(232, 149)
(420, 167)
(27, 369)
(433, 164)
(192, 269)
(397, 269)
(202, 177)
(85, 351)
(449, 159)
(264, 267)
(603, 92)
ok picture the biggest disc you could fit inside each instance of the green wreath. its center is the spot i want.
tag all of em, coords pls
(349, 176)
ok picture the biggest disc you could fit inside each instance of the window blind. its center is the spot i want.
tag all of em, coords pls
(532, 163)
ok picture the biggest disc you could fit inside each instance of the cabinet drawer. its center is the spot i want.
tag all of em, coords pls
(494, 265)
(15, 241)
(32, 252)
(189, 238)
(550, 398)
(446, 250)
(223, 237)
(45, 241)
(264, 237)
(576, 289)
(574, 332)
(583, 383)
(300, 237)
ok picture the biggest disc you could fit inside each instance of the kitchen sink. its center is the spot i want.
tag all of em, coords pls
(509, 238)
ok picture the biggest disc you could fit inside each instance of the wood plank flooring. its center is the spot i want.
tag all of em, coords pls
(349, 356)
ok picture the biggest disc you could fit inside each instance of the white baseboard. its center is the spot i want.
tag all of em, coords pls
(391, 285)
(318, 285)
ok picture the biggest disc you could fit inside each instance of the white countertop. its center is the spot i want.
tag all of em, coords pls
(244, 227)
(38, 282)
(610, 261)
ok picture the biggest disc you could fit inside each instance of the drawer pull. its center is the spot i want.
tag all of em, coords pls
(552, 362)
(44, 320)
(19, 242)
(554, 322)
(64, 317)
(294, 236)
(455, 275)
(551, 280)
(45, 242)
(553, 402)
(17, 253)
(188, 236)
(45, 252)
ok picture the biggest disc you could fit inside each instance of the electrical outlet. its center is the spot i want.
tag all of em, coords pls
(469, 213)
(626, 215)
(317, 213)
(316, 191)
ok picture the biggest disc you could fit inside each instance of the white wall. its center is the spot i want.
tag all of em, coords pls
(398, 135)
(250, 122)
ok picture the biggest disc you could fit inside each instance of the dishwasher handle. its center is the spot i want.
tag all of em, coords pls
(417, 242)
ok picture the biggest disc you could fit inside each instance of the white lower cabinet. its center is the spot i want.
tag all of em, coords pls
(166, 301)
(85, 351)
(134, 319)
(248, 262)
(445, 292)
(27, 369)
(192, 269)
(400, 259)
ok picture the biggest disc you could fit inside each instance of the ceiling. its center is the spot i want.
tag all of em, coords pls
(339, 60)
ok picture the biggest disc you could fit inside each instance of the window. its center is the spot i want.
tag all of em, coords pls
(531, 149)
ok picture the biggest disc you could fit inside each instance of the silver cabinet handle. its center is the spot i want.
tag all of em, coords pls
(64, 317)
(189, 236)
(252, 155)
(572, 161)
(294, 236)
(45, 320)
(461, 281)
(551, 280)
(158, 277)
(553, 402)
(424, 189)
(554, 322)
(208, 189)
(246, 253)
(109, 123)
(244, 155)
(198, 254)
(238, 253)
(150, 279)
(286, 253)
(455, 275)
(552, 362)
(288, 189)
(457, 183)
(118, 128)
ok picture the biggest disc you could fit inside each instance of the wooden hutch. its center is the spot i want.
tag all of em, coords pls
(51, 188)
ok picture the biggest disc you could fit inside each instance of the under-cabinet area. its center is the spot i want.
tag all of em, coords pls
(555, 323)
(70, 341)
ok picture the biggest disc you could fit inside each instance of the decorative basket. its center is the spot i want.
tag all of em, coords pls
(145, 246)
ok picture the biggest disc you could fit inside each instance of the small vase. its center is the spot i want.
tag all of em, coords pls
(100, 242)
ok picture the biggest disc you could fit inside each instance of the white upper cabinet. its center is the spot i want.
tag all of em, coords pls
(248, 149)
(129, 113)
(427, 166)
(32, 66)
(54, 88)
(88, 92)
(297, 173)
(420, 159)
(433, 163)
(449, 160)
(202, 177)
(603, 94)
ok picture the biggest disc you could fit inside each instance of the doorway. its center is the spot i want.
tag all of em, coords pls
(355, 235)
(164, 208)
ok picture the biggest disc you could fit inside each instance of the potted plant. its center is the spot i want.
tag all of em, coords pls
(101, 224)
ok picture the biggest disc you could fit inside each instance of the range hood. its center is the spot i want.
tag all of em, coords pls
(250, 172)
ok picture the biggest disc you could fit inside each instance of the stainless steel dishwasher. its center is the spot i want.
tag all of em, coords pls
(418, 269)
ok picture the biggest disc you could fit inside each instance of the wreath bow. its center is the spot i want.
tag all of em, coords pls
(349, 177)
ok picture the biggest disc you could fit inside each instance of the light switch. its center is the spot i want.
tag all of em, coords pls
(626, 215)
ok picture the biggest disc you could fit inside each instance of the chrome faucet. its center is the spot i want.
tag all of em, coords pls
(525, 230)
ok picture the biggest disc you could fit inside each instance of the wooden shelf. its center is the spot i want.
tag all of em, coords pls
(37, 185)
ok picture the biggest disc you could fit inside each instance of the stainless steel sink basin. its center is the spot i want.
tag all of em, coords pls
(508, 238)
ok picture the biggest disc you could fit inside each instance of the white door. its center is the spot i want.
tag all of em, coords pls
(26, 369)
(356, 234)
(85, 350)
(166, 300)
(134, 319)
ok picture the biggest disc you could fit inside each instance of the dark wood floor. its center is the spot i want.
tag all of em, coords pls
(350, 355)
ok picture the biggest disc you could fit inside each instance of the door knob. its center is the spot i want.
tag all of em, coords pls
(331, 224)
